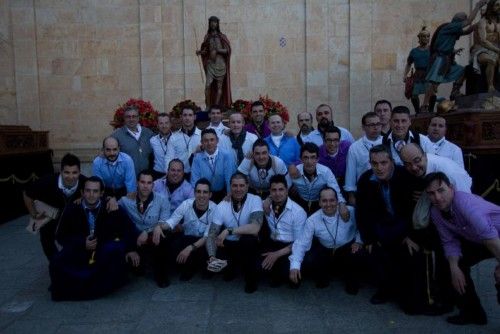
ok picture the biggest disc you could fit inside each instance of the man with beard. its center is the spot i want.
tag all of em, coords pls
(261, 168)
(159, 143)
(304, 121)
(258, 124)
(57, 191)
(215, 53)
(95, 247)
(116, 169)
(324, 117)
(238, 140)
(134, 139)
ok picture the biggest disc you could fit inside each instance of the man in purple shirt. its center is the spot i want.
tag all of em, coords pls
(258, 125)
(468, 227)
(333, 153)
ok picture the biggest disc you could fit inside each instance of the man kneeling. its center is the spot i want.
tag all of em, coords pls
(95, 246)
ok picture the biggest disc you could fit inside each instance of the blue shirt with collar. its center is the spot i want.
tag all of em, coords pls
(158, 211)
(288, 151)
(309, 190)
(117, 174)
(219, 175)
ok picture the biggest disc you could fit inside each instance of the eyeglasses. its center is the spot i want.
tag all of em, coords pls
(131, 116)
(373, 125)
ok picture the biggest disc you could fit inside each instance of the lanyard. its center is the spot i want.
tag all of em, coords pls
(239, 213)
(334, 238)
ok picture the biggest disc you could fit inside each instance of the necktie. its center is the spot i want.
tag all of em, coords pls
(212, 161)
(399, 145)
(91, 220)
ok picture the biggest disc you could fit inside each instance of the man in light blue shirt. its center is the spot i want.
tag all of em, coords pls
(215, 164)
(280, 143)
(173, 186)
(116, 169)
(147, 210)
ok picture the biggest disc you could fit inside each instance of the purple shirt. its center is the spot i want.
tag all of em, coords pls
(472, 218)
(337, 164)
(265, 131)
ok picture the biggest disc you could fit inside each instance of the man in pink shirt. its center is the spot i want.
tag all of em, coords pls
(468, 227)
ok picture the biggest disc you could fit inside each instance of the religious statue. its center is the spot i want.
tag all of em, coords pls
(215, 52)
(419, 57)
(443, 67)
(486, 49)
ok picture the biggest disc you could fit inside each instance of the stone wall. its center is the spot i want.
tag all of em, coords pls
(67, 64)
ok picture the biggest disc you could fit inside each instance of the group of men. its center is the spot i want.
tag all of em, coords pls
(257, 199)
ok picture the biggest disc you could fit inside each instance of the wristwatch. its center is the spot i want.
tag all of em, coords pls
(230, 230)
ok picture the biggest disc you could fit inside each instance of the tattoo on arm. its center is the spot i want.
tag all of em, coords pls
(257, 218)
(213, 231)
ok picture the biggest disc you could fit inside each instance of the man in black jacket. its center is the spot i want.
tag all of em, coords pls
(57, 191)
(384, 207)
(95, 246)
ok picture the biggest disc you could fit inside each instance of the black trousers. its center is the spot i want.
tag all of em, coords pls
(197, 260)
(281, 268)
(326, 262)
(472, 254)
(243, 253)
(48, 238)
(158, 255)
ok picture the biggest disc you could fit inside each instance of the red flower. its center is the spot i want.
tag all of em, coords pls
(148, 116)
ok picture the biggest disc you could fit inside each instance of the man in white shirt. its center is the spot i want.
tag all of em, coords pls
(358, 159)
(324, 117)
(196, 215)
(421, 164)
(285, 220)
(237, 140)
(401, 135)
(215, 115)
(241, 219)
(159, 143)
(436, 132)
(185, 142)
(261, 167)
(339, 242)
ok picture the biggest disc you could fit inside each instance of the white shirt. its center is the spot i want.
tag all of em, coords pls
(288, 226)
(457, 175)
(194, 226)
(425, 143)
(258, 180)
(159, 146)
(447, 149)
(181, 146)
(225, 215)
(225, 142)
(316, 137)
(358, 161)
(219, 129)
(332, 232)
(137, 134)
(277, 139)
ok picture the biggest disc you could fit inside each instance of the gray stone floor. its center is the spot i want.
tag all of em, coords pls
(201, 306)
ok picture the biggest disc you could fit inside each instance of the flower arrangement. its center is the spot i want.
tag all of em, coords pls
(148, 116)
(177, 109)
(271, 107)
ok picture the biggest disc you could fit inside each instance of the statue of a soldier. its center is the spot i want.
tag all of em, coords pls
(215, 52)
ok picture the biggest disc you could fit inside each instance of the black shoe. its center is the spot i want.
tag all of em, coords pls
(229, 275)
(437, 309)
(464, 319)
(380, 297)
(275, 282)
(186, 276)
(321, 284)
(250, 287)
(206, 275)
(352, 288)
(162, 280)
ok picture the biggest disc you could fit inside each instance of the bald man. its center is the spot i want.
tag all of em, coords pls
(116, 169)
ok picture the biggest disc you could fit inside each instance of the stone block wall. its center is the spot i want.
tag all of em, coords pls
(66, 65)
